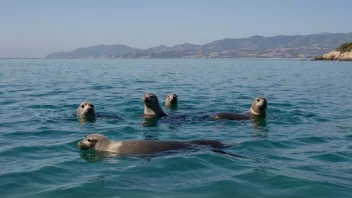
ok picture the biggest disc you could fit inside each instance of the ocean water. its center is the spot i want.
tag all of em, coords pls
(302, 149)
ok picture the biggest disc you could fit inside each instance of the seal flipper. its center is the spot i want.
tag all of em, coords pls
(226, 153)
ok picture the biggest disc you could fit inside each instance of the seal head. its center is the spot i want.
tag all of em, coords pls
(152, 107)
(93, 141)
(86, 110)
(171, 100)
(259, 106)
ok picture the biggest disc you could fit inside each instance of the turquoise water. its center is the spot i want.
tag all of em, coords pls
(302, 149)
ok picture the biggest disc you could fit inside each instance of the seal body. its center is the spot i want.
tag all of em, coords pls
(134, 147)
(86, 110)
(258, 109)
(152, 107)
(231, 116)
(171, 100)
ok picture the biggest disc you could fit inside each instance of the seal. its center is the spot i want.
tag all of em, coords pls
(258, 109)
(86, 110)
(171, 100)
(152, 107)
(135, 147)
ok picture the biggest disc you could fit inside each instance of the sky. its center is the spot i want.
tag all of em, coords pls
(35, 28)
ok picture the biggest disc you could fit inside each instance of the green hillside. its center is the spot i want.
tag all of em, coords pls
(346, 47)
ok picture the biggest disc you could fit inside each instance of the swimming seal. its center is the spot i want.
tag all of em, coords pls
(86, 110)
(134, 147)
(152, 107)
(258, 109)
(171, 100)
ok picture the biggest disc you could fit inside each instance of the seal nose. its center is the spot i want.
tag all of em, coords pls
(262, 106)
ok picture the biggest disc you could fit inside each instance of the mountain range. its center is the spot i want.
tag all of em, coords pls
(281, 46)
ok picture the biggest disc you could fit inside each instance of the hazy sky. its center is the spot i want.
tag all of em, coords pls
(34, 28)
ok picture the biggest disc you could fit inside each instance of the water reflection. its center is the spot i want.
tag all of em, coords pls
(172, 108)
(172, 120)
(95, 156)
(259, 124)
(260, 127)
(150, 122)
(86, 120)
(151, 134)
(109, 115)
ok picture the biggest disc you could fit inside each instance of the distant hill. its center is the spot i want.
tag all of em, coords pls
(98, 51)
(282, 46)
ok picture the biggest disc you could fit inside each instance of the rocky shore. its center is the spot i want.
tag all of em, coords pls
(342, 53)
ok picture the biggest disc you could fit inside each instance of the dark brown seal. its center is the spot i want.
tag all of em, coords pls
(258, 109)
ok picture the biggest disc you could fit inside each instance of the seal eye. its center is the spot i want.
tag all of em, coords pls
(82, 106)
(92, 105)
(258, 100)
(89, 140)
(152, 96)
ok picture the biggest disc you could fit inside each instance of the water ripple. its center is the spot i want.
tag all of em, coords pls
(302, 148)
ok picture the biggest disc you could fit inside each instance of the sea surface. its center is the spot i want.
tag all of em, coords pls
(302, 149)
